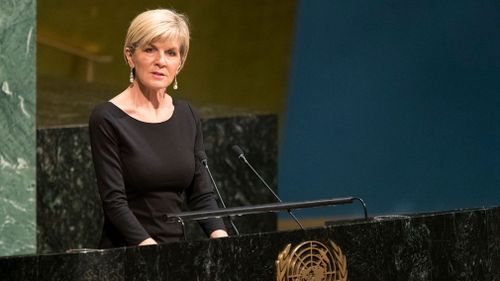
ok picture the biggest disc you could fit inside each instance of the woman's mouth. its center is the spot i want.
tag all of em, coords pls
(158, 74)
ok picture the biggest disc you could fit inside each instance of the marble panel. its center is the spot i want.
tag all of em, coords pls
(257, 135)
(19, 268)
(69, 214)
(17, 127)
(142, 264)
(93, 265)
(456, 245)
(492, 262)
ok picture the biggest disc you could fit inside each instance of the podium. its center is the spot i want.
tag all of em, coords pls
(452, 245)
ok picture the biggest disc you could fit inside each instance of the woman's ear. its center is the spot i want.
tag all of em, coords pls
(128, 57)
(179, 68)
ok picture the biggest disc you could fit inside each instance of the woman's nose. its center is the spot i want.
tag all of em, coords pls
(161, 59)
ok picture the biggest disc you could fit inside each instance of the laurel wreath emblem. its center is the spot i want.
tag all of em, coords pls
(311, 261)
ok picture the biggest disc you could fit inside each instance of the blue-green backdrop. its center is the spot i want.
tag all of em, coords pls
(396, 102)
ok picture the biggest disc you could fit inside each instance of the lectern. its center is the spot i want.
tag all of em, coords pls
(453, 245)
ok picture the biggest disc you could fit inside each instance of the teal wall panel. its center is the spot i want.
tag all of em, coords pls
(17, 127)
(396, 102)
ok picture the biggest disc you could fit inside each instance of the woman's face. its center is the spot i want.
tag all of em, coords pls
(156, 64)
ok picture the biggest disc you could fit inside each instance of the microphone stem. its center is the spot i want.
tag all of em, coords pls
(262, 180)
(220, 198)
(216, 189)
(270, 189)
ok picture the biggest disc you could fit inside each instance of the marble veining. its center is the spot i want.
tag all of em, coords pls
(28, 42)
(16, 167)
(22, 107)
(6, 89)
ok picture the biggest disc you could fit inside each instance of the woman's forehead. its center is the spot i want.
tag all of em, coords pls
(169, 42)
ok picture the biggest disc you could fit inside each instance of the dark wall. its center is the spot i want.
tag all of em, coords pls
(396, 102)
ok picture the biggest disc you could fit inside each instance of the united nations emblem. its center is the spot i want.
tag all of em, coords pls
(311, 261)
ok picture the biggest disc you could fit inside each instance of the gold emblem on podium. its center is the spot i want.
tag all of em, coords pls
(311, 261)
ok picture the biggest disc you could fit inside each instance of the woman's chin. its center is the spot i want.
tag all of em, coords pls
(154, 86)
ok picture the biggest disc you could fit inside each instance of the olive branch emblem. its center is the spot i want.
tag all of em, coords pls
(282, 263)
(311, 261)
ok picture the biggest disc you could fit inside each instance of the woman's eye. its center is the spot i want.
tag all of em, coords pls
(148, 50)
(172, 53)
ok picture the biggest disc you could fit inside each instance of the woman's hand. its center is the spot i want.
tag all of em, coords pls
(149, 241)
(219, 233)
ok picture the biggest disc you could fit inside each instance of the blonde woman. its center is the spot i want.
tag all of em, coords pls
(145, 144)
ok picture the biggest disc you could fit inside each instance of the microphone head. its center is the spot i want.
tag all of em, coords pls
(238, 150)
(202, 156)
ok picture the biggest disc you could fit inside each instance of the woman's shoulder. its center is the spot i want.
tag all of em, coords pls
(180, 103)
(104, 111)
(186, 108)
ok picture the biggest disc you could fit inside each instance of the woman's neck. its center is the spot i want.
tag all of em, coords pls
(143, 97)
(146, 106)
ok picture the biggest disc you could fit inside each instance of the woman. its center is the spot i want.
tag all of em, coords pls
(145, 144)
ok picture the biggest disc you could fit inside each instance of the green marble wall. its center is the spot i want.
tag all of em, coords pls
(17, 127)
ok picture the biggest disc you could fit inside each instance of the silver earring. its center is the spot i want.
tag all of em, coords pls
(131, 76)
(176, 86)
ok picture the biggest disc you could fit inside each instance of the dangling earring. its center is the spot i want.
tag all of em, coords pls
(131, 76)
(176, 86)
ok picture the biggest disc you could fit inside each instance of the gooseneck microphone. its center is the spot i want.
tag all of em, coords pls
(241, 156)
(204, 162)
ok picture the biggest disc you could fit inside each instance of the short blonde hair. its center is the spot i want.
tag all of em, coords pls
(159, 24)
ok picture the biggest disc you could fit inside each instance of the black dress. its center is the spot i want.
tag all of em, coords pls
(142, 171)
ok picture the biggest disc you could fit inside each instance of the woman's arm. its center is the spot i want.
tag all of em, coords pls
(106, 159)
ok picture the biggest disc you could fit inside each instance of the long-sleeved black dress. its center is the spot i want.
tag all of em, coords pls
(142, 171)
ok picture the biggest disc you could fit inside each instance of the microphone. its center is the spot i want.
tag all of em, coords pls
(201, 154)
(241, 156)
